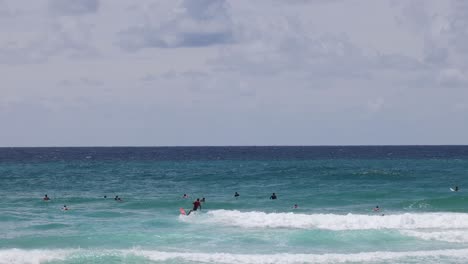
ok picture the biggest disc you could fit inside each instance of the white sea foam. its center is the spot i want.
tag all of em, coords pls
(36, 256)
(454, 236)
(435, 256)
(332, 221)
(16, 256)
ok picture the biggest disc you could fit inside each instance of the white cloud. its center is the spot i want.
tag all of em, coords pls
(453, 78)
(192, 24)
(73, 7)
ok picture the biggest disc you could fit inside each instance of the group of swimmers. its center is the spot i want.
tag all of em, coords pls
(46, 198)
(197, 202)
(66, 208)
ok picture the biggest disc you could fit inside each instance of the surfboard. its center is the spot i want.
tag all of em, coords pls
(452, 189)
(182, 211)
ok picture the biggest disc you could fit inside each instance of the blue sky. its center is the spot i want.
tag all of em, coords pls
(214, 72)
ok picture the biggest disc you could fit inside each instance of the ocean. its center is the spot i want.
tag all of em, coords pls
(335, 189)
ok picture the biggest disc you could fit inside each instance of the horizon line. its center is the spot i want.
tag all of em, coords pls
(243, 146)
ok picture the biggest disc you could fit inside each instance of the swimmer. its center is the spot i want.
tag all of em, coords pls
(236, 195)
(65, 208)
(185, 196)
(196, 205)
(273, 196)
(295, 206)
(376, 209)
(202, 200)
(105, 196)
(117, 198)
(46, 198)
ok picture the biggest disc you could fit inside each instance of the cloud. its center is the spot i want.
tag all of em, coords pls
(287, 45)
(73, 7)
(33, 37)
(192, 24)
(83, 81)
(255, 67)
(4, 9)
(399, 62)
(453, 78)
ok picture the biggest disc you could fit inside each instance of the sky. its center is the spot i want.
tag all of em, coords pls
(240, 72)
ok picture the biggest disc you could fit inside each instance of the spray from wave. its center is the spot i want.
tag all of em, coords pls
(331, 221)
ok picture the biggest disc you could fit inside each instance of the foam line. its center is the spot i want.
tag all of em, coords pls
(453, 236)
(332, 221)
(14, 256)
(428, 256)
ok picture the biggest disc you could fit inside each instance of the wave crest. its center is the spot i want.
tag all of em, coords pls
(332, 221)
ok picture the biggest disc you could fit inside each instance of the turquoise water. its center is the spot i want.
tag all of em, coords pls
(422, 221)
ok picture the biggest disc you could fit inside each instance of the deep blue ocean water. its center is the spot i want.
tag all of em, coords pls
(336, 188)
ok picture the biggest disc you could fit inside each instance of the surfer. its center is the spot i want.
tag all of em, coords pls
(46, 198)
(236, 195)
(456, 188)
(196, 205)
(273, 196)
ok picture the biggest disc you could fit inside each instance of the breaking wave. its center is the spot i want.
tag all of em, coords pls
(331, 221)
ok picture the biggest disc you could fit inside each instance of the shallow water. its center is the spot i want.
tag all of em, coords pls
(336, 189)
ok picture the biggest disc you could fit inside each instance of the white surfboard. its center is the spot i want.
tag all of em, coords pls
(452, 190)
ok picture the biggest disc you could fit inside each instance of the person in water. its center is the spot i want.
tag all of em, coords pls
(202, 200)
(295, 206)
(65, 208)
(46, 198)
(117, 198)
(185, 196)
(456, 188)
(105, 196)
(236, 195)
(273, 196)
(376, 209)
(196, 205)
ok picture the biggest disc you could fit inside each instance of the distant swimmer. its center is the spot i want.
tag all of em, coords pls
(273, 196)
(202, 200)
(46, 198)
(236, 194)
(196, 206)
(105, 196)
(117, 198)
(295, 206)
(376, 209)
(456, 188)
(65, 208)
(185, 196)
